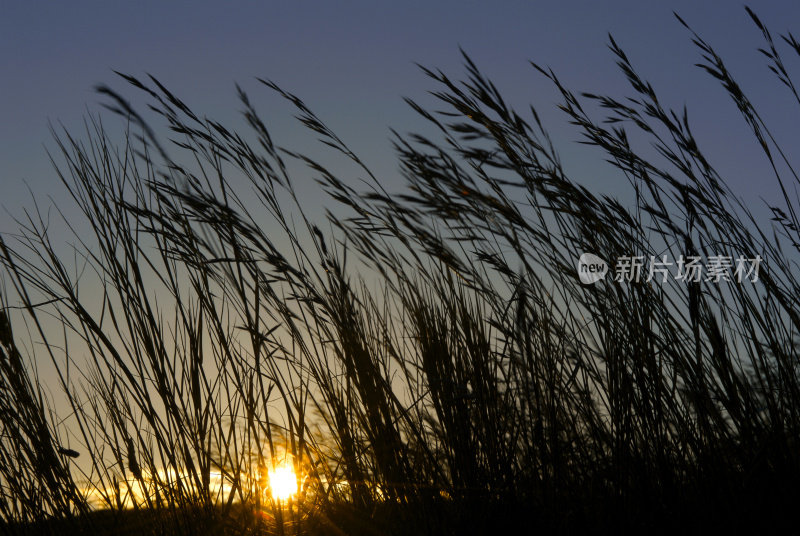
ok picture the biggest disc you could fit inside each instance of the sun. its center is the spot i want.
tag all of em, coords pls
(282, 482)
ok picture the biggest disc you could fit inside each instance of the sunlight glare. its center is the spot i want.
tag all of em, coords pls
(283, 482)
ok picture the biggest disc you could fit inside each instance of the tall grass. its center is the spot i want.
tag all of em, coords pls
(427, 359)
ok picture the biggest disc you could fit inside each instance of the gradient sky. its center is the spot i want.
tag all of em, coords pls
(353, 61)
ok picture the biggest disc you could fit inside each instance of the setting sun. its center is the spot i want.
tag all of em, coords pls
(282, 482)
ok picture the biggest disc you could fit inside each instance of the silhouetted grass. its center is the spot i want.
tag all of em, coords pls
(427, 359)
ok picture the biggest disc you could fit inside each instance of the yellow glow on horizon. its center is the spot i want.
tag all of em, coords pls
(283, 482)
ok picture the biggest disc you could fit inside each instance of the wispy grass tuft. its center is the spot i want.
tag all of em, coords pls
(427, 360)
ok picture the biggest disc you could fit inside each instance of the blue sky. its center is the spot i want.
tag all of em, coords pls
(353, 61)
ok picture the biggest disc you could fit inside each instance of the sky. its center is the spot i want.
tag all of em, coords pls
(352, 62)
